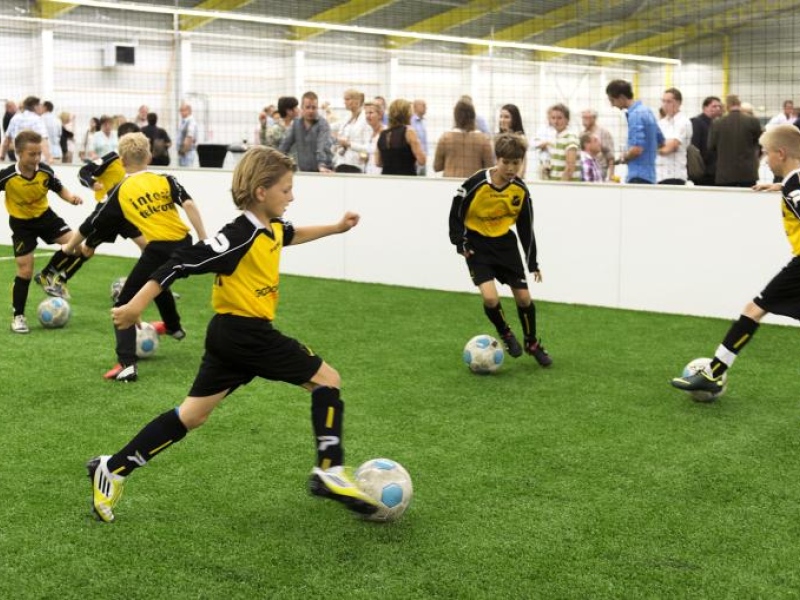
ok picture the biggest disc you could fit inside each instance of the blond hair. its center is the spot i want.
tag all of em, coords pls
(785, 137)
(399, 113)
(260, 166)
(134, 149)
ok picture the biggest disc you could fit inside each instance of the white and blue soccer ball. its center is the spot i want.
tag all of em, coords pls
(387, 482)
(483, 354)
(146, 340)
(116, 288)
(703, 364)
(53, 313)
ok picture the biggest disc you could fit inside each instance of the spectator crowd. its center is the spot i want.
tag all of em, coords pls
(718, 146)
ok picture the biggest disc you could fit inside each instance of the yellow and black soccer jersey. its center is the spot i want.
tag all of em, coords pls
(245, 255)
(482, 215)
(791, 209)
(148, 201)
(27, 198)
(107, 170)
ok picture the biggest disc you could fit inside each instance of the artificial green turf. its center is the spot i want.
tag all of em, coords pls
(593, 479)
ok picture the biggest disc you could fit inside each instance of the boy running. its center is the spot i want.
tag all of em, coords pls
(485, 208)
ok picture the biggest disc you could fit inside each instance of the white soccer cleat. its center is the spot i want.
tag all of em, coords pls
(106, 488)
(335, 483)
(19, 324)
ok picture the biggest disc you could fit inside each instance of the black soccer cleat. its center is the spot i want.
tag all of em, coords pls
(536, 350)
(699, 381)
(512, 344)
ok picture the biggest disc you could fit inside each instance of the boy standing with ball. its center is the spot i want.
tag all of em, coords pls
(26, 185)
(485, 208)
(781, 296)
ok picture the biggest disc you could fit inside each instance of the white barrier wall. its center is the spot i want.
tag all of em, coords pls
(698, 251)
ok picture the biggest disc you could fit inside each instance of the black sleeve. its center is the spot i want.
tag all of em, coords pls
(107, 219)
(179, 193)
(219, 254)
(791, 194)
(525, 232)
(458, 211)
(53, 183)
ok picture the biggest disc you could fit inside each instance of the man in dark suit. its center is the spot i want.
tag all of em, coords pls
(734, 138)
(701, 126)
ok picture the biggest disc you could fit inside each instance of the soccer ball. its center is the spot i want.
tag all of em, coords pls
(146, 340)
(387, 482)
(116, 288)
(53, 313)
(697, 365)
(483, 354)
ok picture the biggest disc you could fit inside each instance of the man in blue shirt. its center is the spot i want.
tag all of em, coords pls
(644, 135)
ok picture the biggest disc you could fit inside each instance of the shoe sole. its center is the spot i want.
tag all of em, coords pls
(685, 386)
(318, 488)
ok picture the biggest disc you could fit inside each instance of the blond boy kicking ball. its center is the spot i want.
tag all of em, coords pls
(781, 296)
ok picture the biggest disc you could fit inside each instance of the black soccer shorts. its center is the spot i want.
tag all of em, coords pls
(238, 349)
(24, 232)
(781, 296)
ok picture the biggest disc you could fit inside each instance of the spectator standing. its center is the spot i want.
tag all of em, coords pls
(288, 111)
(542, 142)
(160, 141)
(463, 151)
(734, 138)
(701, 126)
(11, 110)
(187, 136)
(373, 113)
(309, 138)
(677, 131)
(644, 135)
(786, 117)
(605, 158)
(417, 122)
(399, 150)
(54, 130)
(67, 137)
(351, 149)
(94, 126)
(104, 140)
(510, 121)
(28, 118)
(590, 149)
(480, 122)
(565, 162)
(385, 108)
(141, 117)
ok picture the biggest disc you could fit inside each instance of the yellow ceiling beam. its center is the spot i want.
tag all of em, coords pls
(530, 27)
(342, 13)
(449, 19)
(187, 23)
(642, 21)
(720, 22)
(51, 10)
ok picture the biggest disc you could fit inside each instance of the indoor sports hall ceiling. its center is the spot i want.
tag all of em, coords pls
(645, 27)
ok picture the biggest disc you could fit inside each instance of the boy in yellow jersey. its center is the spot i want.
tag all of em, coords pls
(241, 342)
(149, 201)
(30, 217)
(100, 176)
(485, 208)
(781, 296)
